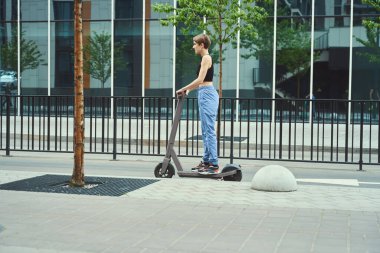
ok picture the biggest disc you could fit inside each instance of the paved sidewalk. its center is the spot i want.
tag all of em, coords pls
(190, 215)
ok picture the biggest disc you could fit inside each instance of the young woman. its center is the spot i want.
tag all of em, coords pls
(208, 101)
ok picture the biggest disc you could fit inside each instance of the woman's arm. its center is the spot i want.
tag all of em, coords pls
(205, 65)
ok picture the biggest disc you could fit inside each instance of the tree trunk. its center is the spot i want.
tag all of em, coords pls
(77, 178)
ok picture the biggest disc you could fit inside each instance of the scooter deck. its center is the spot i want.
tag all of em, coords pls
(197, 174)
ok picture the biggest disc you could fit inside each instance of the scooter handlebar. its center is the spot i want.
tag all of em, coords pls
(182, 95)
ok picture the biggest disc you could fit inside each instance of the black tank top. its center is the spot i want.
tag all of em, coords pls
(209, 74)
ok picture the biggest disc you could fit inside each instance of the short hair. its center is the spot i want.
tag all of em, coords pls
(202, 38)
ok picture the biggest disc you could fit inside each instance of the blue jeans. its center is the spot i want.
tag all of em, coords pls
(208, 102)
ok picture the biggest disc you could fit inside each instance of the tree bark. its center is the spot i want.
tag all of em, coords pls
(77, 178)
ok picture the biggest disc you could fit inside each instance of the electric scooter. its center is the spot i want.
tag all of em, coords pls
(230, 172)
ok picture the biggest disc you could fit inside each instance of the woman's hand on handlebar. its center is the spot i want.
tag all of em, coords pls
(181, 92)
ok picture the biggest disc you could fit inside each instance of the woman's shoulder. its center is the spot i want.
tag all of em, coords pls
(207, 58)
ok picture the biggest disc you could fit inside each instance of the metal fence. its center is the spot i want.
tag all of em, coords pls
(337, 131)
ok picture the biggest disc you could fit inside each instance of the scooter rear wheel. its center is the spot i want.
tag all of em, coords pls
(168, 174)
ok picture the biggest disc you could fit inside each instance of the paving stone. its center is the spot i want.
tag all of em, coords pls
(330, 249)
(175, 215)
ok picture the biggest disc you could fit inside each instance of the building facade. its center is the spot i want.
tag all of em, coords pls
(321, 49)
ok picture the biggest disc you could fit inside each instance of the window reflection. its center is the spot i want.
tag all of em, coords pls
(32, 10)
(128, 30)
(8, 10)
(158, 60)
(366, 55)
(33, 58)
(256, 61)
(63, 34)
(331, 50)
(293, 49)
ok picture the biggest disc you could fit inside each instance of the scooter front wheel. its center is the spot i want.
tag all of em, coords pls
(168, 174)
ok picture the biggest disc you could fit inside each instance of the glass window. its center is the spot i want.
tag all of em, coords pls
(331, 51)
(97, 58)
(8, 58)
(127, 81)
(92, 10)
(34, 10)
(128, 32)
(153, 14)
(158, 53)
(158, 59)
(34, 52)
(8, 47)
(365, 55)
(97, 9)
(128, 9)
(8, 10)
(62, 48)
(256, 70)
(229, 61)
(63, 10)
(293, 50)
(96, 44)
(256, 59)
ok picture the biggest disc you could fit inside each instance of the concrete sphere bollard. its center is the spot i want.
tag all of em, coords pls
(274, 178)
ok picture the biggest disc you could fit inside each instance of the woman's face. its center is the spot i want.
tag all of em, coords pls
(197, 47)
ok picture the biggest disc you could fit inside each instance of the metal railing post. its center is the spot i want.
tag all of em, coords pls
(8, 125)
(114, 127)
(232, 133)
(103, 120)
(218, 126)
(346, 134)
(48, 122)
(280, 137)
(378, 132)
(361, 136)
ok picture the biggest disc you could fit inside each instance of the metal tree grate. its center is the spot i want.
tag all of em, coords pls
(100, 186)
